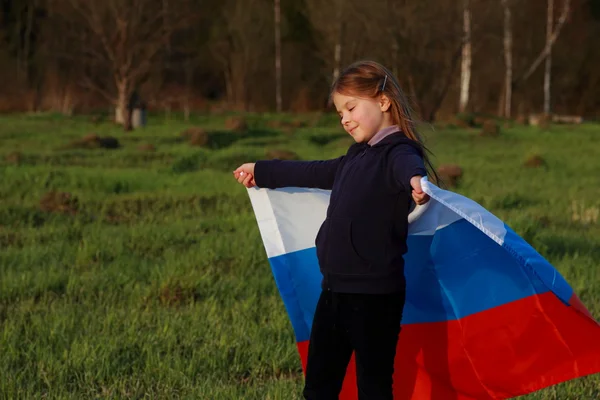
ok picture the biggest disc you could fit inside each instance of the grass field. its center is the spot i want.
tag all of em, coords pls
(151, 281)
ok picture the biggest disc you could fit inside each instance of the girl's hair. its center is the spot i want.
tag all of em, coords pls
(371, 79)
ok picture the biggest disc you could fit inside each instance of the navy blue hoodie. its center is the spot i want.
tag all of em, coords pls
(361, 243)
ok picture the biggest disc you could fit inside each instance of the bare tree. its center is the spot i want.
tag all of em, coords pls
(508, 66)
(240, 44)
(549, 43)
(122, 38)
(431, 46)
(465, 68)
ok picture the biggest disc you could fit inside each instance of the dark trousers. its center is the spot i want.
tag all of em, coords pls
(369, 325)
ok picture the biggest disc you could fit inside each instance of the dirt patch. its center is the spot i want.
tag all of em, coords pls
(534, 161)
(93, 141)
(287, 126)
(59, 202)
(175, 294)
(196, 136)
(278, 154)
(542, 121)
(450, 174)
(147, 147)
(236, 124)
(522, 119)
(15, 158)
(490, 128)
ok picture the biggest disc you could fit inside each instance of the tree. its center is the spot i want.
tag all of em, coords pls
(550, 39)
(329, 20)
(465, 70)
(123, 39)
(241, 44)
(508, 70)
(431, 42)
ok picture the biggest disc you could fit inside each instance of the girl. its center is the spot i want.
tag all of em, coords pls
(361, 243)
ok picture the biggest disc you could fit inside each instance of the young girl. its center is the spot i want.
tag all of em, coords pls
(361, 243)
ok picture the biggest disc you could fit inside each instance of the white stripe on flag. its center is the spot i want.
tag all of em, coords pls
(289, 218)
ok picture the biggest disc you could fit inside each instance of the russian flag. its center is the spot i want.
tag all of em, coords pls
(486, 316)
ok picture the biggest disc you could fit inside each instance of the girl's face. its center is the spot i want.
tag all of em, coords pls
(362, 117)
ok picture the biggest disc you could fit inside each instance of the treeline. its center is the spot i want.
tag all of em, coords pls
(502, 57)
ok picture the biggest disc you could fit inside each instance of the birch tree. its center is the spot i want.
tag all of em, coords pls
(550, 40)
(466, 59)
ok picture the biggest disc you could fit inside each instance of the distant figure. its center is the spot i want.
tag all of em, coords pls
(136, 112)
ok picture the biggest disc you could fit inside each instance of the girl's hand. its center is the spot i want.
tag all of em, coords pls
(245, 175)
(418, 195)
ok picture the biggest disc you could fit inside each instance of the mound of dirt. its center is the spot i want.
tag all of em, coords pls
(450, 174)
(534, 161)
(279, 154)
(236, 124)
(59, 202)
(93, 141)
(15, 158)
(196, 136)
(147, 147)
(176, 295)
(490, 128)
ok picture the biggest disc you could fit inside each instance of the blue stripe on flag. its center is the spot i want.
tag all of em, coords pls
(537, 266)
(298, 278)
(460, 271)
(457, 272)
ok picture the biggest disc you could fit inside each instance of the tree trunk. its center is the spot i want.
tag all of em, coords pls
(337, 52)
(189, 81)
(278, 99)
(508, 72)
(121, 114)
(465, 68)
(547, 72)
(27, 44)
(19, 50)
(549, 43)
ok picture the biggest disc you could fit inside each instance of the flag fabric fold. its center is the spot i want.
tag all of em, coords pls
(486, 316)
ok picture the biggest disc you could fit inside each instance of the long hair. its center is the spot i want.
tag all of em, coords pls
(371, 79)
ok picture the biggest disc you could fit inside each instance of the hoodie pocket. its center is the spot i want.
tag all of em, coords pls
(352, 247)
(370, 242)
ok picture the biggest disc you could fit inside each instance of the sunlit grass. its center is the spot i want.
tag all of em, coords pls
(156, 284)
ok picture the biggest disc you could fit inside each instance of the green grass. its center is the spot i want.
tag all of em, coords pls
(158, 285)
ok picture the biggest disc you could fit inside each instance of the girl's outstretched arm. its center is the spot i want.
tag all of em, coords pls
(274, 174)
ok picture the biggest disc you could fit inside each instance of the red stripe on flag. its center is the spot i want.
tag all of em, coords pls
(503, 352)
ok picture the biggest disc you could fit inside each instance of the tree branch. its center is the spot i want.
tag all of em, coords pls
(548, 47)
(87, 83)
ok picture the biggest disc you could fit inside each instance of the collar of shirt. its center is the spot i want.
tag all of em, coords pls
(379, 136)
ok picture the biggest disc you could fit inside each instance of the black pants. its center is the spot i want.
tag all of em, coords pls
(369, 325)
